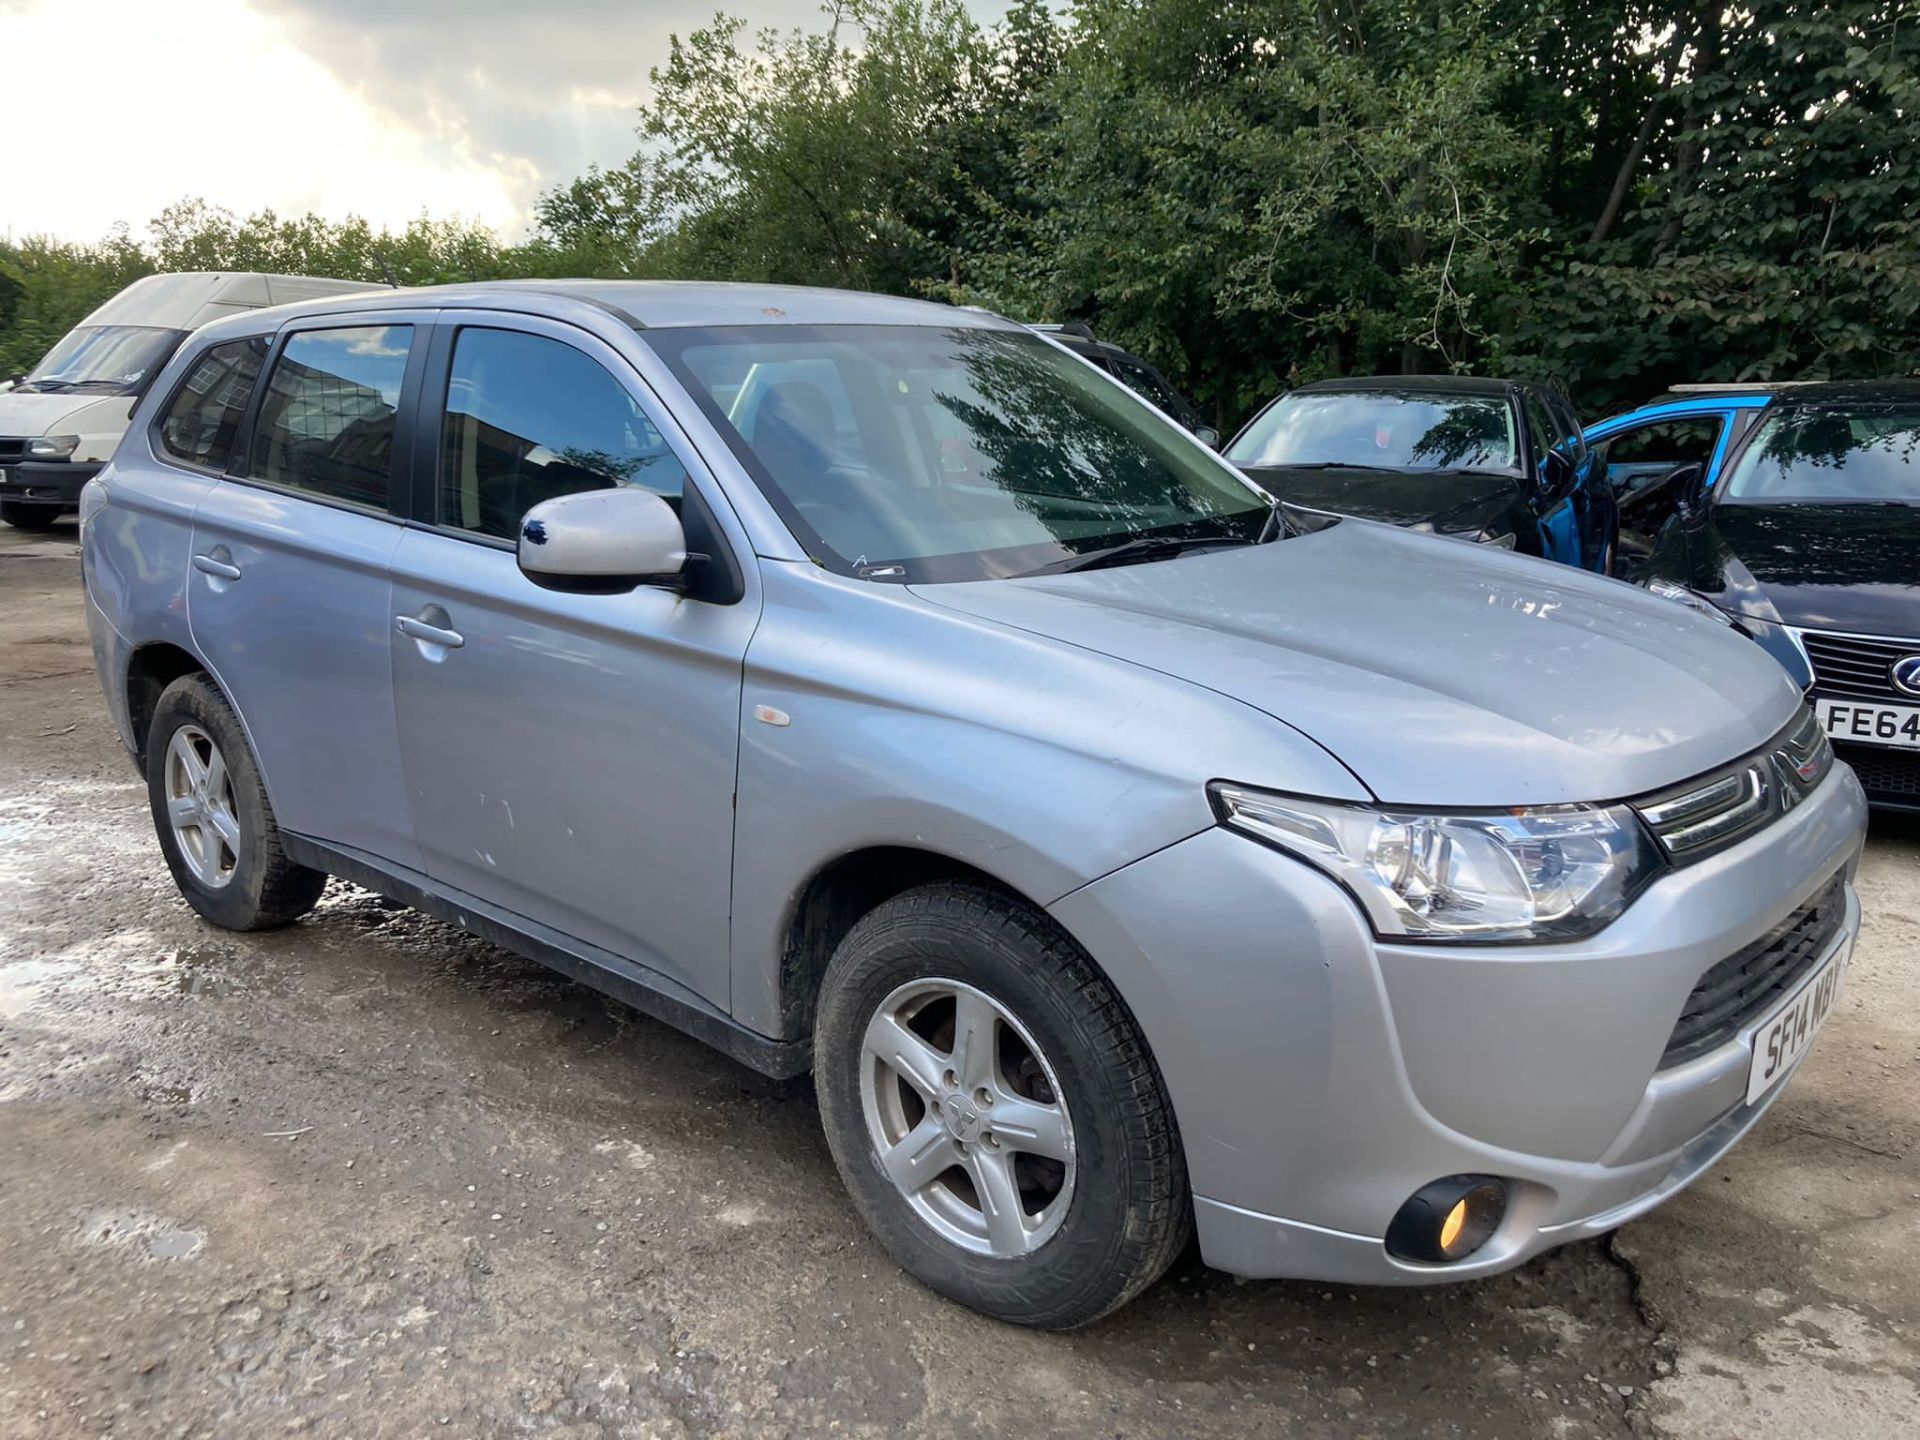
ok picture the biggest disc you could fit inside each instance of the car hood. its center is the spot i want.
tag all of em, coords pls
(1439, 672)
(34, 414)
(1453, 502)
(1822, 567)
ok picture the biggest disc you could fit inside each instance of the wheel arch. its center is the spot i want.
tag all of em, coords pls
(842, 890)
(150, 669)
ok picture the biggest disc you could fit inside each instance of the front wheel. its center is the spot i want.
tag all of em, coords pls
(994, 1110)
(210, 810)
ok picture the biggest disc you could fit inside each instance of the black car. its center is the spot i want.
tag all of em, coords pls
(1807, 537)
(1498, 461)
(1133, 372)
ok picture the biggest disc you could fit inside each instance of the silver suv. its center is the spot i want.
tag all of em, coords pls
(877, 689)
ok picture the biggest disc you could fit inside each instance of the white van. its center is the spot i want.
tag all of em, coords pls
(60, 423)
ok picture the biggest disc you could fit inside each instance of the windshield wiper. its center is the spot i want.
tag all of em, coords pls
(1140, 548)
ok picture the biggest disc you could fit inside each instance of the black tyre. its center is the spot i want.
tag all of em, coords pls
(994, 1111)
(23, 515)
(211, 813)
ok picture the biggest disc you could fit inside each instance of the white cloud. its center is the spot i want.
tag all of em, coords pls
(123, 106)
(380, 108)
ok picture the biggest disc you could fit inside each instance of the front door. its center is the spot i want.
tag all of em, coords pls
(288, 595)
(569, 758)
(1642, 462)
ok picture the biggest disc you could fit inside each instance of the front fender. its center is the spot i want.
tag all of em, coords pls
(910, 725)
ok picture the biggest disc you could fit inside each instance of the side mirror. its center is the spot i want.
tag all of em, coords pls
(604, 542)
(1207, 436)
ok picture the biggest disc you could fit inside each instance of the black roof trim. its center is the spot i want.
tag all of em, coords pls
(1412, 384)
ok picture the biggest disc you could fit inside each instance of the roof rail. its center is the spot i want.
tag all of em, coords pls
(1739, 387)
(1066, 327)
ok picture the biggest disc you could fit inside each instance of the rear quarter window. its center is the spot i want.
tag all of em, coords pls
(202, 420)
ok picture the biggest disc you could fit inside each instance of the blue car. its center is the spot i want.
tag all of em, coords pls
(1650, 456)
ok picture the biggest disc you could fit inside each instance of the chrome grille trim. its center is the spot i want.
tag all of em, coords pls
(1701, 816)
(1855, 667)
(1717, 811)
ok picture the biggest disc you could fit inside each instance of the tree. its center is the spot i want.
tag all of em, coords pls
(1250, 192)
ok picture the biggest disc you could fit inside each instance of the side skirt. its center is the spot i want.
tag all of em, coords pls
(649, 993)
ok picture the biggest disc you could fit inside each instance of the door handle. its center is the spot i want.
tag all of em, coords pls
(428, 634)
(219, 569)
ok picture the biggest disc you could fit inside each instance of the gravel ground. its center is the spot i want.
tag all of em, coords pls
(371, 1177)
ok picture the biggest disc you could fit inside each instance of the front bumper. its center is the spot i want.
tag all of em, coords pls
(47, 482)
(1890, 777)
(1320, 1077)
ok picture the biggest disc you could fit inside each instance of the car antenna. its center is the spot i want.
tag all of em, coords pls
(386, 269)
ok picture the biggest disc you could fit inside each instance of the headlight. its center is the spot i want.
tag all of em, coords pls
(1557, 872)
(52, 447)
(1667, 590)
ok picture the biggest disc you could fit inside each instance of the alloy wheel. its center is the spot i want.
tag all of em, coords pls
(967, 1117)
(200, 808)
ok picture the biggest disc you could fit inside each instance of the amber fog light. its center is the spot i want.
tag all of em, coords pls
(1447, 1220)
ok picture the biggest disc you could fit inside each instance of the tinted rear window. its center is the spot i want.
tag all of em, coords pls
(326, 424)
(203, 418)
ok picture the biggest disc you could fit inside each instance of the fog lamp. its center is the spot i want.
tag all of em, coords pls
(1447, 1220)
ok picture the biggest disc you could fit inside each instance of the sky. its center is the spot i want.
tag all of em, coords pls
(380, 108)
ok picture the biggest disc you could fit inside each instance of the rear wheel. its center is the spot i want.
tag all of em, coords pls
(994, 1111)
(210, 811)
(23, 515)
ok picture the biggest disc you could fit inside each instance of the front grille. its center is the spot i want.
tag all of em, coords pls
(12, 448)
(1888, 776)
(1857, 667)
(1741, 987)
(1700, 817)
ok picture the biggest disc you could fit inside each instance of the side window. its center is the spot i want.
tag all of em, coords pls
(530, 418)
(326, 424)
(204, 415)
(1567, 423)
(1665, 443)
(1546, 434)
(1149, 384)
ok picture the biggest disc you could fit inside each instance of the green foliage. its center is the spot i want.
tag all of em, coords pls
(46, 286)
(1250, 192)
(1778, 233)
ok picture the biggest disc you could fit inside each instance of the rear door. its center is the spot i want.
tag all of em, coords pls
(288, 595)
(570, 757)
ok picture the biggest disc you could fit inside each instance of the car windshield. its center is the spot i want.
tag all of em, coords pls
(116, 357)
(1382, 430)
(922, 453)
(1869, 453)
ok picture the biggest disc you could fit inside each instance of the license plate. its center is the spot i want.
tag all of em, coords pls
(1783, 1037)
(1896, 725)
